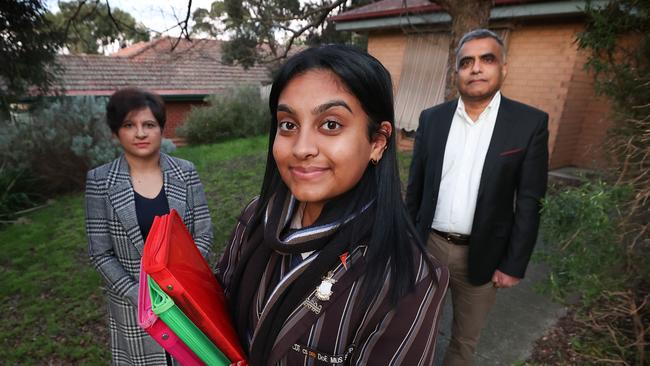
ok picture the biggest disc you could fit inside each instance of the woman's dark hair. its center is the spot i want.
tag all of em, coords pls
(126, 100)
(368, 80)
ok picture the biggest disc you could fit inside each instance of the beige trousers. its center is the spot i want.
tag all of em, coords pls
(471, 303)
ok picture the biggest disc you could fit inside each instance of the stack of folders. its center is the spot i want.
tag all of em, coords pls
(158, 329)
(187, 312)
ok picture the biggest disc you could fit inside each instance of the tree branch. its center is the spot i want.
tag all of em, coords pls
(74, 16)
(313, 24)
(110, 15)
(183, 25)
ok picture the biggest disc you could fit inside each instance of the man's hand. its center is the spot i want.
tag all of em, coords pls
(502, 280)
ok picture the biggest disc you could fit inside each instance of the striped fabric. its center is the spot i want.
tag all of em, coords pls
(339, 331)
(115, 245)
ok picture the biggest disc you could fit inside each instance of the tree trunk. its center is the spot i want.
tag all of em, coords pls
(466, 15)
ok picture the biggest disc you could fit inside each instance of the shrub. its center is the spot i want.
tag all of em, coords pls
(58, 142)
(167, 146)
(579, 227)
(585, 229)
(236, 113)
(17, 191)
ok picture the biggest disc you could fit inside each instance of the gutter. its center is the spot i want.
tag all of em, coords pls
(522, 11)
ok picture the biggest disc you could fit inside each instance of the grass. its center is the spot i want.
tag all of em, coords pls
(52, 310)
(231, 174)
(51, 306)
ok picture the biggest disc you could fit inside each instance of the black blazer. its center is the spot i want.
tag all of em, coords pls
(512, 184)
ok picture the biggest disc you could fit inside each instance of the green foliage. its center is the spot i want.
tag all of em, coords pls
(91, 26)
(58, 142)
(235, 113)
(241, 50)
(404, 165)
(579, 227)
(616, 37)
(167, 146)
(28, 45)
(209, 21)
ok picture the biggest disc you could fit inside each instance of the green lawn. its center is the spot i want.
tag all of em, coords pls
(51, 305)
(231, 174)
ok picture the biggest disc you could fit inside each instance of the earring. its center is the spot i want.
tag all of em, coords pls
(374, 161)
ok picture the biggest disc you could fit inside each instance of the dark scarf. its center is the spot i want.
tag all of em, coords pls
(343, 222)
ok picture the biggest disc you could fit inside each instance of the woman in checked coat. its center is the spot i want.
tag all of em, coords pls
(325, 268)
(122, 199)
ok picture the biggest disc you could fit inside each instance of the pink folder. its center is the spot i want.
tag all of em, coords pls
(159, 330)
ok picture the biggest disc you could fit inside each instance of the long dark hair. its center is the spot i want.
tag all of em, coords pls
(393, 233)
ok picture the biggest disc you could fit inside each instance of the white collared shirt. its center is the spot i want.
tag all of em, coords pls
(467, 145)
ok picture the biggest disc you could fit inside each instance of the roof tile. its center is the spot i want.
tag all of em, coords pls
(193, 67)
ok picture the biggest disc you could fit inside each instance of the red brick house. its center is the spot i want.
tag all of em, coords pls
(183, 77)
(545, 68)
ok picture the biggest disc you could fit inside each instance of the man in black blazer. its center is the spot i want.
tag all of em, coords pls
(478, 173)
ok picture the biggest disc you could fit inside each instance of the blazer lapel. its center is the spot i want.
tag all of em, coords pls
(121, 196)
(440, 133)
(497, 143)
(174, 185)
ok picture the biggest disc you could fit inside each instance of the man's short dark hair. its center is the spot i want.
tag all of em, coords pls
(479, 33)
(126, 100)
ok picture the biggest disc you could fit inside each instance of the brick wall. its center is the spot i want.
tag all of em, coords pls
(545, 70)
(541, 60)
(176, 112)
(595, 117)
(389, 49)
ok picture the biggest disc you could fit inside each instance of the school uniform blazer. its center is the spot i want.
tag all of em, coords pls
(115, 243)
(339, 331)
(513, 182)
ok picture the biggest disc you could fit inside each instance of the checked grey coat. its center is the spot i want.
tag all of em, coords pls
(115, 245)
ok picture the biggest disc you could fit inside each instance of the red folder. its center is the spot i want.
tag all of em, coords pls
(172, 259)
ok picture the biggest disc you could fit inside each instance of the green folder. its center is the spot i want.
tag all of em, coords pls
(163, 306)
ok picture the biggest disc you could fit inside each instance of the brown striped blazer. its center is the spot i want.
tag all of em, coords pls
(339, 331)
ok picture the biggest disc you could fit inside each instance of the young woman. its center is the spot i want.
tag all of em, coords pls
(324, 267)
(122, 199)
